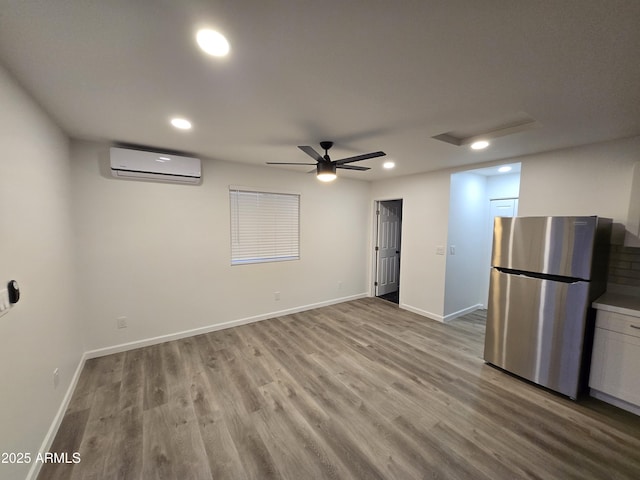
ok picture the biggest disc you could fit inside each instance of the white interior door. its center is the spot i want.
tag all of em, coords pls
(507, 207)
(388, 258)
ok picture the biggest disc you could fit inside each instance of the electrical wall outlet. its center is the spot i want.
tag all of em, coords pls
(56, 378)
(121, 322)
(276, 296)
(440, 250)
(340, 285)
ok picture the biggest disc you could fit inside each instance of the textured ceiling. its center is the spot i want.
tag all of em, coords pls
(369, 75)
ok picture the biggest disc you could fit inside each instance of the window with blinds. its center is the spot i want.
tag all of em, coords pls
(265, 226)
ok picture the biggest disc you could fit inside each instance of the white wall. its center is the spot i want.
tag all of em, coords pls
(503, 186)
(425, 214)
(157, 252)
(471, 231)
(466, 269)
(41, 332)
(160, 253)
(590, 180)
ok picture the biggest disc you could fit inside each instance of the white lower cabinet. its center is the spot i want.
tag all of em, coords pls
(615, 362)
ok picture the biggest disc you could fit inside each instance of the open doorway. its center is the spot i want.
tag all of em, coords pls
(498, 207)
(388, 239)
(476, 197)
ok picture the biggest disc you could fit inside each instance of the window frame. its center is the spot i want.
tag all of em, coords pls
(270, 243)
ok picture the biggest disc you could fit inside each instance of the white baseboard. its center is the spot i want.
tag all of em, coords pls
(55, 424)
(462, 312)
(441, 318)
(57, 420)
(424, 313)
(123, 347)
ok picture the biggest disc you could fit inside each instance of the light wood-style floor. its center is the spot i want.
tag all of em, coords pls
(356, 390)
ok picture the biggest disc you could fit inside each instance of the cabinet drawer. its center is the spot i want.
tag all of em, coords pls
(614, 365)
(617, 322)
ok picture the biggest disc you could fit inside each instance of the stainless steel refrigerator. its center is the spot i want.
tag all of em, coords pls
(545, 273)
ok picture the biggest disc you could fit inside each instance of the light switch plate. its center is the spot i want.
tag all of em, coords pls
(4, 301)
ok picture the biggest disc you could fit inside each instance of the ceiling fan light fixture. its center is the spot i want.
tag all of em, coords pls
(325, 167)
(327, 177)
(326, 172)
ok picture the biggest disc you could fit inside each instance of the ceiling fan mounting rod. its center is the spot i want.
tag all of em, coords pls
(326, 145)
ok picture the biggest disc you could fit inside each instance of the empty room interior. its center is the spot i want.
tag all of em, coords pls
(256, 239)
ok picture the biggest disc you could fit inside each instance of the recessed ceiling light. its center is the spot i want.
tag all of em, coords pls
(480, 144)
(388, 165)
(181, 123)
(212, 42)
(504, 169)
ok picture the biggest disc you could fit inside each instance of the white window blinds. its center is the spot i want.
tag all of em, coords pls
(265, 226)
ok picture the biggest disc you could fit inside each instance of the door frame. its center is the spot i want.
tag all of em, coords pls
(374, 243)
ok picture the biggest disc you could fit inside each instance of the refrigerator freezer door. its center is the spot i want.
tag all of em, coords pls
(535, 329)
(547, 245)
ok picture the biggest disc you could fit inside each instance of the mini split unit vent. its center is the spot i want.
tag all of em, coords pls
(141, 165)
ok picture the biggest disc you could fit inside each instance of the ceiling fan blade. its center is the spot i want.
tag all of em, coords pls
(352, 167)
(358, 158)
(311, 152)
(288, 163)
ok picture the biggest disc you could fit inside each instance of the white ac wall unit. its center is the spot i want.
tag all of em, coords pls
(141, 165)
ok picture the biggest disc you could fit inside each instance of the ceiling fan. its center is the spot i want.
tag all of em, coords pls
(325, 167)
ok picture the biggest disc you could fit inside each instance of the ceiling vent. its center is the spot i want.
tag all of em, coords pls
(142, 165)
(517, 123)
